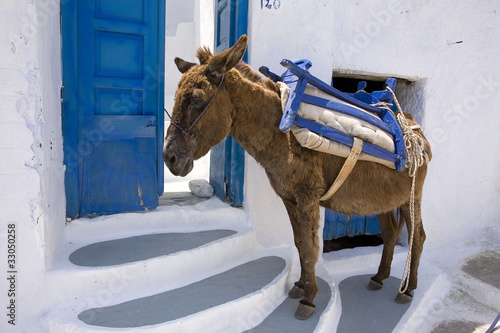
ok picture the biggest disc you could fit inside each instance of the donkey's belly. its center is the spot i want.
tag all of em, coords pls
(371, 195)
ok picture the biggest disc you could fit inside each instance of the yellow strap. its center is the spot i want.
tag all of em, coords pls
(349, 164)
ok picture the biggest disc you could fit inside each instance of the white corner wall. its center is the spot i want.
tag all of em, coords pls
(449, 48)
(31, 162)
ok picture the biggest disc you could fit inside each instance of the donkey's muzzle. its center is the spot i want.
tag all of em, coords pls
(178, 164)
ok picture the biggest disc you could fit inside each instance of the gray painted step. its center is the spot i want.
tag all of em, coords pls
(171, 305)
(364, 310)
(485, 267)
(282, 319)
(137, 248)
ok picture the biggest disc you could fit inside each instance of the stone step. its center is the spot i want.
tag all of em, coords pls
(282, 318)
(103, 258)
(232, 301)
(192, 268)
(99, 284)
(143, 247)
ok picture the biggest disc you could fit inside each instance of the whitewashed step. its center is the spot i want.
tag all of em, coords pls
(67, 281)
(100, 285)
(250, 306)
(175, 304)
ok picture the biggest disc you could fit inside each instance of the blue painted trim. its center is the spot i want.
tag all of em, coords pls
(385, 95)
(235, 158)
(295, 69)
(70, 116)
(242, 22)
(297, 85)
(160, 126)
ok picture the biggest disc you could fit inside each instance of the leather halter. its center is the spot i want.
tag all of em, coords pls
(187, 131)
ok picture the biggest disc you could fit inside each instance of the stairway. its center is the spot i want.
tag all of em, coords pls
(183, 268)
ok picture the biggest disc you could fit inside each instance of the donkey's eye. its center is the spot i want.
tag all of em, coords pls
(197, 102)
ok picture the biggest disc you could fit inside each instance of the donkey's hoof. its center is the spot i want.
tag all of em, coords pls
(403, 298)
(305, 310)
(296, 292)
(373, 285)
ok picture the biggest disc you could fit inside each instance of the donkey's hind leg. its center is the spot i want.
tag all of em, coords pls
(389, 228)
(416, 249)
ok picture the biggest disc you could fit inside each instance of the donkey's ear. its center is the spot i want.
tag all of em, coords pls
(182, 65)
(224, 61)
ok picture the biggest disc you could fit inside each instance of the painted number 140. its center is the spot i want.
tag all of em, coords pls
(267, 4)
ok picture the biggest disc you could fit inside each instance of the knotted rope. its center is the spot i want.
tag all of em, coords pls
(415, 158)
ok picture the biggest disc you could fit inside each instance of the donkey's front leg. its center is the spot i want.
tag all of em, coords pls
(297, 290)
(305, 223)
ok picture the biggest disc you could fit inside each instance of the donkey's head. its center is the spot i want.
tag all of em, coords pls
(203, 112)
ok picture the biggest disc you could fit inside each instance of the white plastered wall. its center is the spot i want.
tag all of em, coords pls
(31, 162)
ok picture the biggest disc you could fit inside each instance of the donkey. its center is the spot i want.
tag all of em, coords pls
(223, 96)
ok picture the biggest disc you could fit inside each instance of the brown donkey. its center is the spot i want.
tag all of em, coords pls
(224, 96)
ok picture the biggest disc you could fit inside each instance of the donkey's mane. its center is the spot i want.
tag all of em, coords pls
(204, 54)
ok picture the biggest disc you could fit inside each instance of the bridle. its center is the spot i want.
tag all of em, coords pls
(187, 131)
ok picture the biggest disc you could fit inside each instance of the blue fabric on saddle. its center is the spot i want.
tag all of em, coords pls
(305, 88)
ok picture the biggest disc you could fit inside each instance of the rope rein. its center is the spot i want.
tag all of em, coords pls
(415, 158)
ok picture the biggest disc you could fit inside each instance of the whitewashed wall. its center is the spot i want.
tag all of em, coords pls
(31, 168)
(449, 48)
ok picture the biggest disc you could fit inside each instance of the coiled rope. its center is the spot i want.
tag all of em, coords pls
(415, 158)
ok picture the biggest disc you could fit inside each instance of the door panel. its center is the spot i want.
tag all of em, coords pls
(113, 103)
(339, 225)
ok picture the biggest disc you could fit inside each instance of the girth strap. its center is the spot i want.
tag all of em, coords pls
(349, 164)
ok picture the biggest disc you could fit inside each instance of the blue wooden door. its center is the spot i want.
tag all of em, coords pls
(227, 160)
(339, 225)
(113, 65)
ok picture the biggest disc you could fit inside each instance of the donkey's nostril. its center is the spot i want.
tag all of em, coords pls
(172, 159)
(169, 157)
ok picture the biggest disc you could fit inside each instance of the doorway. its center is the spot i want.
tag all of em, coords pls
(113, 100)
(112, 104)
